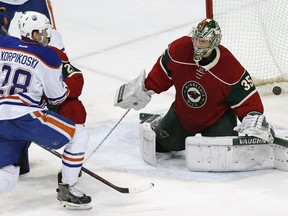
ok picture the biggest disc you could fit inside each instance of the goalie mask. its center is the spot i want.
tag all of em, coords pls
(33, 21)
(206, 36)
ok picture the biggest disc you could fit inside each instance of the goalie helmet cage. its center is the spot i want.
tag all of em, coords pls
(255, 32)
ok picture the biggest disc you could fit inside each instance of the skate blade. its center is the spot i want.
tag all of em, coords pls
(73, 206)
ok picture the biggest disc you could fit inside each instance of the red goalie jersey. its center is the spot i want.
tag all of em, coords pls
(203, 92)
(72, 107)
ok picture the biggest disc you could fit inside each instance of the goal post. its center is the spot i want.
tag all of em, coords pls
(255, 32)
(209, 9)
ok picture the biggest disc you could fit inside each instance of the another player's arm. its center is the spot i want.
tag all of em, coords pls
(73, 77)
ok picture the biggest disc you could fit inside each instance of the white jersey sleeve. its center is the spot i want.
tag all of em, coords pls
(56, 40)
(54, 88)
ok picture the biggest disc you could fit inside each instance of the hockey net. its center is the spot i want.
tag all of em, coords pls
(255, 32)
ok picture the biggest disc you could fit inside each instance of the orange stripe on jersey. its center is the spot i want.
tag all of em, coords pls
(50, 10)
(58, 124)
(72, 159)
(15, 98)
(10, 97)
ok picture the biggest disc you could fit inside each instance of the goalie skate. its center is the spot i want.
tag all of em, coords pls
(71, 198)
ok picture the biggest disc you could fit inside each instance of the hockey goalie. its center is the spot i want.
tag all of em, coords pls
(213, 92)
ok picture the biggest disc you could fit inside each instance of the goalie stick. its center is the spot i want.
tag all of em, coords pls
(251, 140)
(99, 178)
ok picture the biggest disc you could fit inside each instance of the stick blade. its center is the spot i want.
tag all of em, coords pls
(141, 189)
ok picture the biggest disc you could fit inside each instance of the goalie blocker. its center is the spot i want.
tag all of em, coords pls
(220, 154)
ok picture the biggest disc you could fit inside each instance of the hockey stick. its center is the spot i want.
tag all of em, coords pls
(87, 157)
(99, 178)
(281, 141)
(251, 140)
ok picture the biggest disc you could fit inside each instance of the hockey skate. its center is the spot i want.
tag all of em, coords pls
(59, 176)
(72, 198)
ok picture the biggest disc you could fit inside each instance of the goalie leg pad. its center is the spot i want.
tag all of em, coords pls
(281, 157)
(148, 144)
(221, 154)
(281, 153)
(148, 137)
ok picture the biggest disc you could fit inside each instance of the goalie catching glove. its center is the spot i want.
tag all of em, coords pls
(255, 124)
(133, 94)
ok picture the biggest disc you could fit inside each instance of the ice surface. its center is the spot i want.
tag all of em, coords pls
(112, 41)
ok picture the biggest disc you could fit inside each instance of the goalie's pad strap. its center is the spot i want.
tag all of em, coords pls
(234, 154)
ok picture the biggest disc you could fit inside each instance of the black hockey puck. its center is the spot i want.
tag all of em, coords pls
(277, 90)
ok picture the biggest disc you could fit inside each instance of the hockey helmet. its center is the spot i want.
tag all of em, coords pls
(31, 21)
(206, 36)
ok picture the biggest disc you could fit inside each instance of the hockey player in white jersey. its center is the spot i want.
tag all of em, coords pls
(29, 70)
(9, 10)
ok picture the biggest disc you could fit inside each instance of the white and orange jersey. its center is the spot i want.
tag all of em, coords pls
(28, 71)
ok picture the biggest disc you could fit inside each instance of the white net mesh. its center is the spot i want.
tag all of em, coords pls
(255, 32)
